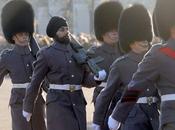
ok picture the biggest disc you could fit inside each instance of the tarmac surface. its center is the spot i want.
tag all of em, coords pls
(5, 120)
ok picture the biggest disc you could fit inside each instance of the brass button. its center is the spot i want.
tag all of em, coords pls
(72, 88)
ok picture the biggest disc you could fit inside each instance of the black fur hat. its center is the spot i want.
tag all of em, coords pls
(17, 16)
(164, 15)
(106, 18)
(54, 24)
(134, 25)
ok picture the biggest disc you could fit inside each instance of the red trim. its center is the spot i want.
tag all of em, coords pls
(168, 51)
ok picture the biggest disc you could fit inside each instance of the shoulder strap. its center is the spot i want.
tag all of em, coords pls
(168, 51)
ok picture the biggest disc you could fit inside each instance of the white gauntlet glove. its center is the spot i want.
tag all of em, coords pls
(26, 115)
(95, 126)
(113, 124)
(101, 75)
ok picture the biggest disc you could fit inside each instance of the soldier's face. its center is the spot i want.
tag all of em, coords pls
(21, 38)
(62, 31)
(110, 37)
(140, 46)
(62, 35)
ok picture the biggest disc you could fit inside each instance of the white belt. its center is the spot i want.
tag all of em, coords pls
(24, 85)
(148, 100)
(168, 97)
(103, 84)
(69, 87)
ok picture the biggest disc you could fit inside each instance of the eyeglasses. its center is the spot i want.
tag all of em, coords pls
(62, 29)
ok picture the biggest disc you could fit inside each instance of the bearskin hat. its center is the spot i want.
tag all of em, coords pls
(134, 25)
(54, 24)
(17, 16)
(106, 18)
(164, 17)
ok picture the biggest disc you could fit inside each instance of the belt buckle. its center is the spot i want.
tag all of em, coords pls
(72, 88)
(149, 100)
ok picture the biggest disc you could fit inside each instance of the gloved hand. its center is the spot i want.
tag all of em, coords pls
(27, 115)
(113, 124)
(95, 126)
(101, 75)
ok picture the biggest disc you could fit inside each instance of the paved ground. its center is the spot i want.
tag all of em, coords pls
(5, 121)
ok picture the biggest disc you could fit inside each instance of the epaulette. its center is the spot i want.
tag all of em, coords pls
(119, 59)
(6, 52)
(45, 48)
(158, 46)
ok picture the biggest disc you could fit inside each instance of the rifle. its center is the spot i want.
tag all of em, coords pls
(82, 57)
(34, 49)
(34, 46)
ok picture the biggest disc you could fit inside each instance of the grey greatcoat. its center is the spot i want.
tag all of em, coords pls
(18, 64)
(65, 109)
(156, 67)
(143, 116)
(110, 54)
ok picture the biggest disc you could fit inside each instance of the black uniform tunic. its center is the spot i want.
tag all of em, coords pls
(142, 116)
(65, 109)
(18, 64)
(157, 67)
